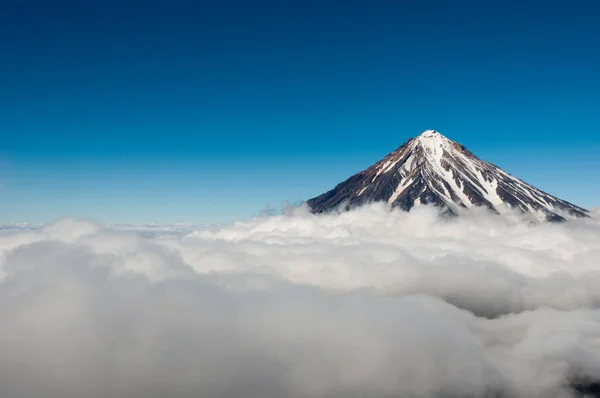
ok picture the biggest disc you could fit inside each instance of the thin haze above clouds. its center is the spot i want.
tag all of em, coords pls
(372, 302)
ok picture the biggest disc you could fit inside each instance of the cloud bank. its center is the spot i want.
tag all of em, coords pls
(370, 302)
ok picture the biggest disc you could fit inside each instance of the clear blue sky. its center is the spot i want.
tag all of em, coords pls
(204, 111)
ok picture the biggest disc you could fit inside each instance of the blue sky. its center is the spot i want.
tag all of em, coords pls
(193, 111)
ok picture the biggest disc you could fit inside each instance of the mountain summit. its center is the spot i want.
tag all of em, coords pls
(431, 169)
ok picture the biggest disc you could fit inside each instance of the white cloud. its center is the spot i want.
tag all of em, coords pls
(370, 302)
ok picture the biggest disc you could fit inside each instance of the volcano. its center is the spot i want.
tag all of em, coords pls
(431, 169)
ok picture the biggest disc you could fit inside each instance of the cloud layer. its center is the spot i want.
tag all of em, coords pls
(371, 302)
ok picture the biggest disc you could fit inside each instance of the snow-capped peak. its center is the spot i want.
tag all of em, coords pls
(430, 133)
(433, 169)
(433, 143)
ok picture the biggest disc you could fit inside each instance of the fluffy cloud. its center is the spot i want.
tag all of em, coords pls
(371, 302)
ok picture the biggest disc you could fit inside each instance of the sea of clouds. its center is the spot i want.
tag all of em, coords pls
(374, 303)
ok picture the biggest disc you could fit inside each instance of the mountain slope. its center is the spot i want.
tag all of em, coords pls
(431, 169)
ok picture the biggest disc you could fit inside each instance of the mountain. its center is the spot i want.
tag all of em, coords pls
(431, 169)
